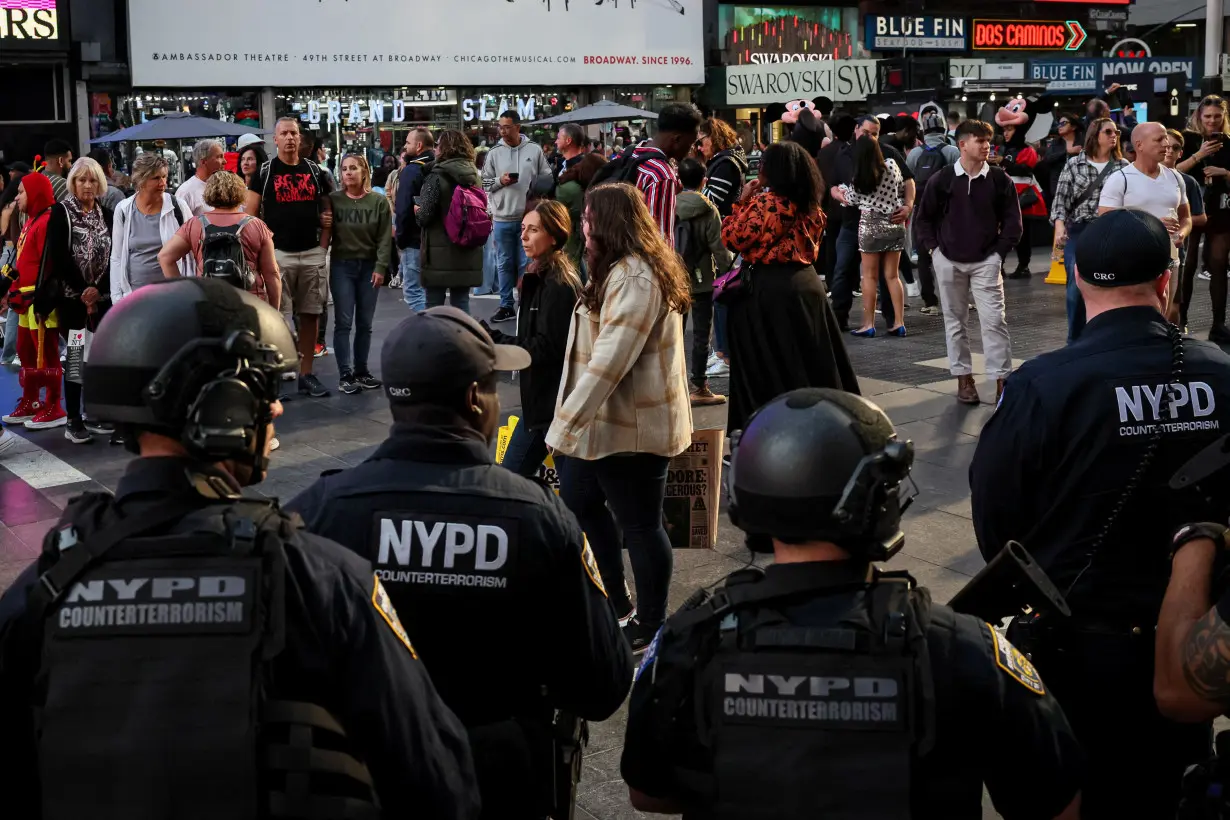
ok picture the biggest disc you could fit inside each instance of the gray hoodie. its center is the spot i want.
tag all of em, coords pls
(508, 203)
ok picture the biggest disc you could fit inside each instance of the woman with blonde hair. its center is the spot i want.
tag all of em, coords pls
(549, 292)
(449, 270)
(74, 280)
(362, 223)
(1207, 148)
(224, 194)
(623, 409)
(143, 223)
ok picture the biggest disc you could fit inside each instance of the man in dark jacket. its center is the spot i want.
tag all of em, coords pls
(472, 554)
(419, 155)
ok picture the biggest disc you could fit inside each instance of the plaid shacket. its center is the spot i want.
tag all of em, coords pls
(625, 383)
(1076, 176)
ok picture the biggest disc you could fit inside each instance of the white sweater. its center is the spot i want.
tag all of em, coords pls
(121, 228)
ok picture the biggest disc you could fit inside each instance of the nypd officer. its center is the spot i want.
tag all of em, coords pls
(822, 687)
(479, 561)
(181, 651)
(1075, 466)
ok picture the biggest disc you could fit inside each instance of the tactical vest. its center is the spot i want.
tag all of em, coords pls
(804, 721)
(156, 659)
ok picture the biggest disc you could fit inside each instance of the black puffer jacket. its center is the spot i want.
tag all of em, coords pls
(725, 178)
(547, 303)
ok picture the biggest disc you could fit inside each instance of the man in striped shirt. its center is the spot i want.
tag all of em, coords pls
(678, 124)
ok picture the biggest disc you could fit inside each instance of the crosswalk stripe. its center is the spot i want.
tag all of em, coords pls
(37, 467)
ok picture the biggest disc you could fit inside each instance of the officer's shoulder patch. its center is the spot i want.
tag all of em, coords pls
(650, 657)
(1015, 664)
(384, 605)
(591, 566)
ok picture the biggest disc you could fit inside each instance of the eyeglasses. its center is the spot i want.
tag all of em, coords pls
(1062, 123)
(1110, 130)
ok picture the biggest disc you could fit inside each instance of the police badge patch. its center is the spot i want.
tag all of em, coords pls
(383, 604)
(591, 567)
(1013, 661)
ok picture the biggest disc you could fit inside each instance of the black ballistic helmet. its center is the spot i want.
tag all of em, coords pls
(820, 465)
(197, 360)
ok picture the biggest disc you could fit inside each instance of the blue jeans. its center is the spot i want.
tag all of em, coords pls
(457, 297)
(510, 259)
(1075, 302)
(490, 272)
(634, 486)
(354, 305)
(411, 275)
(10, 336)
(526, 451)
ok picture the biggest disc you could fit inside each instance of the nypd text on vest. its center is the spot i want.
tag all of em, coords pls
(811, 698)
(1183, 408)
(414, 548)
(154, 601)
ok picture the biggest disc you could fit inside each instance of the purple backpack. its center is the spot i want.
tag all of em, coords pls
(468, 223)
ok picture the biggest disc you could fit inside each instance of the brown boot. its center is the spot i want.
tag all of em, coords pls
(999, 390)
(967, 391)
(704, 397)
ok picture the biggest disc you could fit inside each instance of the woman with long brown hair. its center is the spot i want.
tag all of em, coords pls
(623, 409)
(448, 270)
(1207, 148)
(549, 292)
(1075, 203)
(725, 163)
(782, 331)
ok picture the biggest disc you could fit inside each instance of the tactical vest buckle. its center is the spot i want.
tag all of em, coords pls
(243, 533)
(49, 587)
(720, 602)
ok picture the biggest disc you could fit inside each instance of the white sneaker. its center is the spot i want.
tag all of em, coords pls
(718, 368)
(1205, 275)
(274, 444)
(289, 376)
(913, 289)
(7, 441)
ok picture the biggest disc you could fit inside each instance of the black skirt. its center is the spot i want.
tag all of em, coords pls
(783, 335)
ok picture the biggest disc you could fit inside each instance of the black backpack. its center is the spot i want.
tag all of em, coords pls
(222, 255)
(623, 168)
(930, 162)
(689, 247)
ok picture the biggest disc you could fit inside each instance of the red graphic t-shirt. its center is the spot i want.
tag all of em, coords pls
(291, 198)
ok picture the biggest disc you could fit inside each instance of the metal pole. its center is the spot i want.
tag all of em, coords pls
(1213, 17)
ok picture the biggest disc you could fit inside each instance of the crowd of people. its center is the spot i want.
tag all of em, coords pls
(600, 262)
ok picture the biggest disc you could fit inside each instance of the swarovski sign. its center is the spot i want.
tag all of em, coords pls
(840, 80)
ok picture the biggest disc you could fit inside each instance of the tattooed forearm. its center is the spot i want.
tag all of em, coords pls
(1206, 658)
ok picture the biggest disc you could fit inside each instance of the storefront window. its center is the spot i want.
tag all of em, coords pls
(481, 109)
(242, 107)
(373, 122)
(779, 34)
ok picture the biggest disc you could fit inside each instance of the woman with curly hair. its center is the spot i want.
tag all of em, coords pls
(623, 410)
(782, 333)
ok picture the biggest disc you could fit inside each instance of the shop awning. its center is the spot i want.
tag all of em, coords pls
(179, 126)
(601, 111)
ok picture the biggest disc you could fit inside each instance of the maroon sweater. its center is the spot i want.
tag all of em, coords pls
(969, 218)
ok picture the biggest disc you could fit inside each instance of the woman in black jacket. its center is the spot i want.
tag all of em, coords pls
(725, 164)
(74, 278)
(549, 292)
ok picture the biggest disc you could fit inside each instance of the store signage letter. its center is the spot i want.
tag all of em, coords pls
(525, 109)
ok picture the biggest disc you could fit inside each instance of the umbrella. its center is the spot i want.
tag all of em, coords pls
(601, 111)
(179, 126)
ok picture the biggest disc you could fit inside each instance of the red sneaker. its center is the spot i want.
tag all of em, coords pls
(25, 410)
(53, 416)
(321, 350)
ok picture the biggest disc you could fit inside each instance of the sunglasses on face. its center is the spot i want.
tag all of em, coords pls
(1062, 123)
(1110, 130)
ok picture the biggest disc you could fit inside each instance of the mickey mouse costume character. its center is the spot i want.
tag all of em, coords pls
(807, 128)
(1020, 160)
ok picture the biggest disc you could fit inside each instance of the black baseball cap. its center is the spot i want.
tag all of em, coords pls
(1123, 247)
(437, 353)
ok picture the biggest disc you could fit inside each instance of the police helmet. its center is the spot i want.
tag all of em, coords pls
(195, 359)
(820, 465)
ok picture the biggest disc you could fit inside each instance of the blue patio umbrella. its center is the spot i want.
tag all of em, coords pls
(179, 126)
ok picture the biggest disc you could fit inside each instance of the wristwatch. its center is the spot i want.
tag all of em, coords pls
(1193, 532)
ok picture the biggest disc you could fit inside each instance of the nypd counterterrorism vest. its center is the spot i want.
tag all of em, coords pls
(815, 721)
(156, 657)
